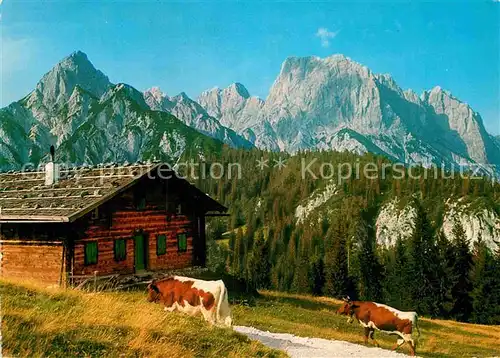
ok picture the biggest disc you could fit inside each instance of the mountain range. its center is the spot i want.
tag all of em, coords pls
(314, 104)
(336, 103)
(90, 120)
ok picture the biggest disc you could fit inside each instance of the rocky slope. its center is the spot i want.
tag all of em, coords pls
(336, 103)
(193, 115)
(234, 107)
(90, 120)
(477, 220)
(396, 219)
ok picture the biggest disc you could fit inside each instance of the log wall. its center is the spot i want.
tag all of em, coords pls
(124, 224)
(32, 261)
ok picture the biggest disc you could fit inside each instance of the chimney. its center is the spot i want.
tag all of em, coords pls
(51, 169)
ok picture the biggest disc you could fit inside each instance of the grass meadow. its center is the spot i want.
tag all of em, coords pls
(54, 322)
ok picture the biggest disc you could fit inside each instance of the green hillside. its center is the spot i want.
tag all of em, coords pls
(333, 250)
(41, 322)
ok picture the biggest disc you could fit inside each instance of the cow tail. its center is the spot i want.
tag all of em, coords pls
(222, 298)
(418, 329)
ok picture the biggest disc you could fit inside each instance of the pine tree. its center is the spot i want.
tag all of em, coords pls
(445, 274)
(258, 265)
(238, 254)
(462, 301)
(316, 274)
(301, 275)
(336, 273)
(484, 290)
(495, 289)
(368, 269)
(423, 283)
(398, 278)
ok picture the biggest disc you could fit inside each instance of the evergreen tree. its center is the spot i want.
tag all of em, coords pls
(423, 266)
(301, 275)
(445, 274)
(485, 288)
(316, 274)
(336, 274)
(259, 266)
(369, 269)
(398, 277)
(462, 264)
(237, 266)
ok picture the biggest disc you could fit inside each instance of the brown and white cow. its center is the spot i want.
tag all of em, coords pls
(192, 296)
(376, 316)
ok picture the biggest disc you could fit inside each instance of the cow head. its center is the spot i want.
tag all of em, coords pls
(153, 292)
(347, 308)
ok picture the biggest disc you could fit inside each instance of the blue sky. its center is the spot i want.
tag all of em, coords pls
(193, 46)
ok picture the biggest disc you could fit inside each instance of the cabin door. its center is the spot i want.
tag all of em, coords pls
(141, 252)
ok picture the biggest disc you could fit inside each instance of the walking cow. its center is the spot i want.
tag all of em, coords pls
(375, 316)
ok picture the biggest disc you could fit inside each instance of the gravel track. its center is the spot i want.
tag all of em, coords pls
(303, 347)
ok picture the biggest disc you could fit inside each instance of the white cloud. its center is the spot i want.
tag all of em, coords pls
(325, 36)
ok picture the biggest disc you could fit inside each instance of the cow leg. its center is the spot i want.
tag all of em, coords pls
(407, 338)
(367, 333)
(372, 336)
(171, 308)
(412, 350)
(207, 314)
(398, 344)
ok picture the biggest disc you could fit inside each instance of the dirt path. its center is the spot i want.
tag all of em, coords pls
(314, 347)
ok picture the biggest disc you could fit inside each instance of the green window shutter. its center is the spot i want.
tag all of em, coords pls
(161, 245)
(182, 242)
(120, 249)
(91, 253)
(142, 204)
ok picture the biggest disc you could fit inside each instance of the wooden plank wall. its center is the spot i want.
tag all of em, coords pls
(123, 222)
(32, 261)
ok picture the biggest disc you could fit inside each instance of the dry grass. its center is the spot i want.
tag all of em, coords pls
(314, 317)
(52, 322)
(40, 322)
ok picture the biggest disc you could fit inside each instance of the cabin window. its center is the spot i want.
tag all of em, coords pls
(120, 249)
(161, 245)
(91, 253)
(182, 242)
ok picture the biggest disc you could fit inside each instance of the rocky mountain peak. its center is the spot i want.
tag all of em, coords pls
(233, 106)
(155, 92)
(238, 89)
(57, 85)
(157, 100)
(337, 63)
(123, 91)
(77, 56)
(389, 82)
(182, 97)
(313, 100)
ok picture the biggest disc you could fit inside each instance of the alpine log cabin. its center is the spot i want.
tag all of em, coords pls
(110, 219)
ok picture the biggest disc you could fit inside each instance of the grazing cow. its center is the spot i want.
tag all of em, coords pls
(375, 316)
(192, 296)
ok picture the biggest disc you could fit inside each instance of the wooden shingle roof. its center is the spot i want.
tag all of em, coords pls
(24, 197)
